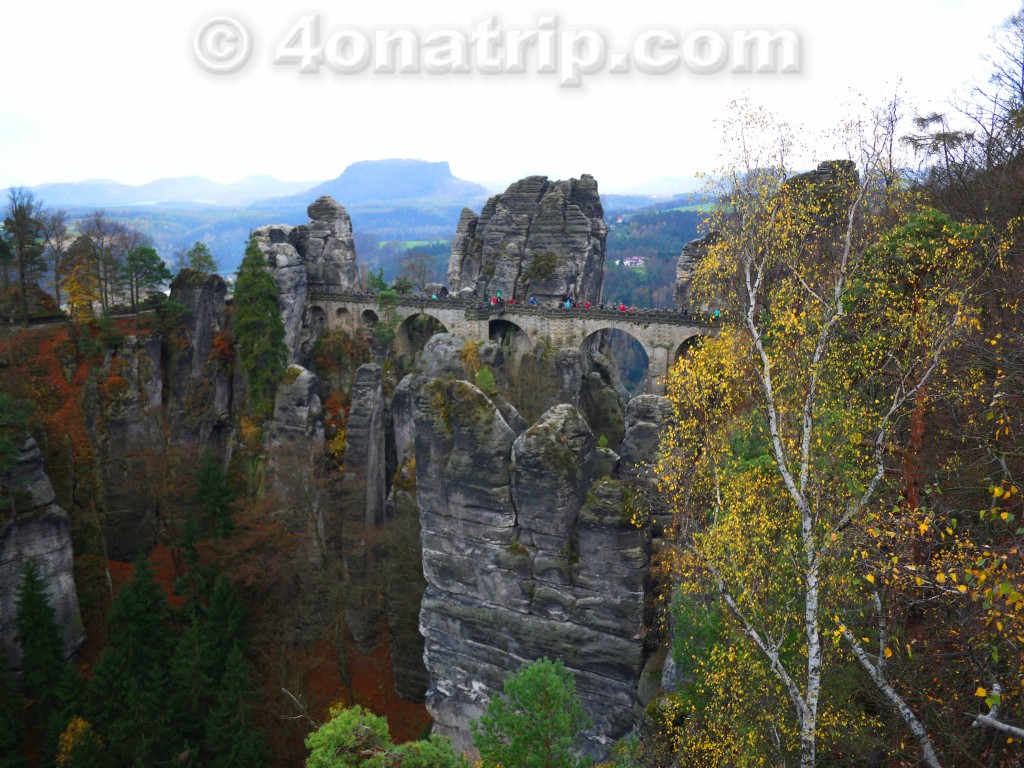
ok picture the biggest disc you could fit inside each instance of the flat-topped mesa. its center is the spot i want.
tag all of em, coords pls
(539, 238)
(318, 255)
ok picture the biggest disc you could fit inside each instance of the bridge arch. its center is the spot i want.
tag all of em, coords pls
(343, 319)
(506, 333)
(630, 356)
(368, 319)
(685, 347)
(414, 331)
(317, 320)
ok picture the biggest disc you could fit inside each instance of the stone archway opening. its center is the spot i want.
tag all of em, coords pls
(685, 349)
(317, 322)
(368, 319)
(343, 319)
(626, 355)
(414, 332)
(509, 336)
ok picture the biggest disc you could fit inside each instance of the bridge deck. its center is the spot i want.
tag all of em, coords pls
(477, 310)
(661, 332)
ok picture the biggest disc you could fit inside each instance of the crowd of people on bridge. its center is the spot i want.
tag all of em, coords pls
(566, 302)
(498, 301)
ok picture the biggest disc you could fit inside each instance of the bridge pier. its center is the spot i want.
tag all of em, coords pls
(657, 370)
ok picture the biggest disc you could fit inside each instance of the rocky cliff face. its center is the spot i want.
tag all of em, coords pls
(645, 418)
(40, 531)
(317, 255)
(541, 238)
(687, 265)
(199, 386)
(366, 479)
(298, 414)
(125, 416)
(526, 554)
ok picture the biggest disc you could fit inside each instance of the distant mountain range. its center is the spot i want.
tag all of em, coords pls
(391, 182)
(193, 190)
(411, 201)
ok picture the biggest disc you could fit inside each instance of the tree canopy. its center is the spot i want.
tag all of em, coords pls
(258, 329)
(535, 722)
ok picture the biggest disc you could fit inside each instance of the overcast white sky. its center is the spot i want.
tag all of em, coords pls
(111, 89)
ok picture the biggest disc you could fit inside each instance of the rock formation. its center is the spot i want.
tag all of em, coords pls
(199, 386)
(689, 259)
(831, 179)
(541, 238)
(525, 555)
(298, 416)
(645, 419)
(365, 477)
(126, 428)
(38, 530)
(319, 255)
(292, 280)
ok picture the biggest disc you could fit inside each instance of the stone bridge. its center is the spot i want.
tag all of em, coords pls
(662, 333)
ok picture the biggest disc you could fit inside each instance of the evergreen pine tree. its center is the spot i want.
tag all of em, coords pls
(258, 329)
(213, 497)
(12, 753)
(536, 721)
(129, 684)
(231, 735)
(67, 703)
(195, 582)
(221, 627)
(38, 634)
(190, 687)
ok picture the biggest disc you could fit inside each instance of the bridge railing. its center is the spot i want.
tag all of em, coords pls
(476, 309)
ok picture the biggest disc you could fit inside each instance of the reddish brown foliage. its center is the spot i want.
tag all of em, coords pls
(223, 350)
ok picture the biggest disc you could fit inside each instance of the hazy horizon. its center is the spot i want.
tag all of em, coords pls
(117, 93)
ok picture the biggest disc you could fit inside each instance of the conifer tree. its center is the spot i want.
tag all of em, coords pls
(129, 682)
(231, 735)
(258, 328)
(66, 705)
(535, 722)
(11, 749)
(190, 687)
(221, 627)
(38, 635)
(199, 258)
(213, 497)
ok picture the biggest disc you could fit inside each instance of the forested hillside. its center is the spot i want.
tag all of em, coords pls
(655, 236)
